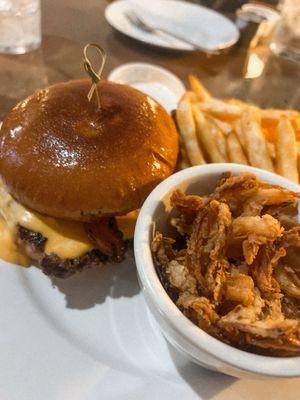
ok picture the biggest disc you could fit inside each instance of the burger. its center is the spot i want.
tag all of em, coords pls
(73, 174)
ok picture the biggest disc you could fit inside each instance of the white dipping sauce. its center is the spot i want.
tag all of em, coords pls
(158, 92)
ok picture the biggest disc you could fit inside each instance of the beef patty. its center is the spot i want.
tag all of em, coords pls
(33, 243)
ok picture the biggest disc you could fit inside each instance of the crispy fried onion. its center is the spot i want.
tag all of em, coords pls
(198, 309)
(185, 208)
(254, 320)
(263, 267)
(207, 246)
(288, 280)
(239, 288)
(254, 232)
(162, 248)
(246, 195)
(236, 274)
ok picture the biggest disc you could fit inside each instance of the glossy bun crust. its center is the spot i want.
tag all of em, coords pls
(63, 156)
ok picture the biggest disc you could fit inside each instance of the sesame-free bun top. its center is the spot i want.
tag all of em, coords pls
(65, 157)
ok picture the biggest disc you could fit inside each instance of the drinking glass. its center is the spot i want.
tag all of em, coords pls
(286, 37)
(20, 26)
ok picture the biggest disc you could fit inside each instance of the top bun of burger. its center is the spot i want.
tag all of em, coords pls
(65, 157)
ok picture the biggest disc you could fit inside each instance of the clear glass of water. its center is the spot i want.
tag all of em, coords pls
(286, 36)
(20, 26)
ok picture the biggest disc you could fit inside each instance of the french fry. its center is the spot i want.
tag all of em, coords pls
(236, 102)
(240, 134)
(219, 138)
(187, 128)
(183, 158)
(205, 137)
(221, 143)
(222, 125)
(286, 150)
(269, 128)
(255, 142)
(298, 156)
(271, 150)
(270, 120)
(183, 164)
(296, 122)
(197, 87)
(221, 109)
(234, 150)
(296, 125)
(231, 130)
(191, 96)
(275, 115)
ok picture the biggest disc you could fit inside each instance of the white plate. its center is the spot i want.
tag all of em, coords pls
(90, 337)
(204, 27)
(155, 81)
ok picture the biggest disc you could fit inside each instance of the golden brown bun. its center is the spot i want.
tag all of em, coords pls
(63, 156)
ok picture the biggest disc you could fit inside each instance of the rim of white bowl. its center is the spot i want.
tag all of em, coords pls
(119, 73)
(258, 364)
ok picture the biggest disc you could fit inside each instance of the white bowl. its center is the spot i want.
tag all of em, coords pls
(196, 344)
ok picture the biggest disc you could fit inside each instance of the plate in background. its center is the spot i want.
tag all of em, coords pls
(203, 26)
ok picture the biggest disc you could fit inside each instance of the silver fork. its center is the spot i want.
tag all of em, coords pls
(135, 20)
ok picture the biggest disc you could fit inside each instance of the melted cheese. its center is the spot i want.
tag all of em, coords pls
(8, 249)
(65, 238)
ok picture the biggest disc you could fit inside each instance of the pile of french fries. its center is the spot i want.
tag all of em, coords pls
(213, 130)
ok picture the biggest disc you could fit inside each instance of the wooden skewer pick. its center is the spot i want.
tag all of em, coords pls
(95, 77)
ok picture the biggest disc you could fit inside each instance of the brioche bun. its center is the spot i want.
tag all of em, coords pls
(65, 157)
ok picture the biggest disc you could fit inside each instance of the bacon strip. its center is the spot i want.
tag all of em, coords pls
(104, 234)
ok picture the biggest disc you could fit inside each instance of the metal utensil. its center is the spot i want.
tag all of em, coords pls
(137, 21)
